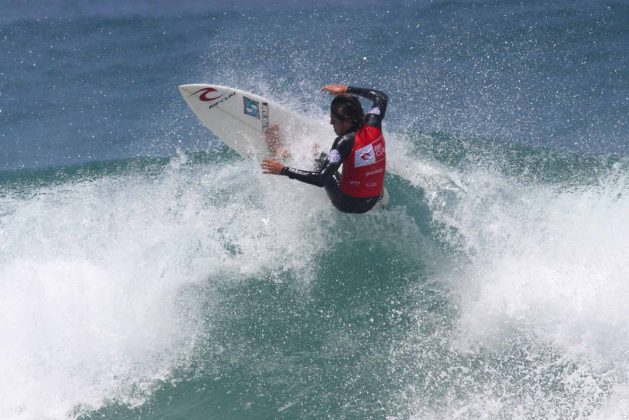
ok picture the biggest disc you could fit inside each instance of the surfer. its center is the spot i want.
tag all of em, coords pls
(359, 148)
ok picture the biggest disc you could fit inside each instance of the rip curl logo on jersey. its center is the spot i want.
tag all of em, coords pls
(205, 92)
(364, 156)
(335, 156)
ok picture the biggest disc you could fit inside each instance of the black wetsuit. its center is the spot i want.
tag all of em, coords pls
(327, 175)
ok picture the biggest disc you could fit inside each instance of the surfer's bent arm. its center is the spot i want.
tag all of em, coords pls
(340, 150)
(379, 100)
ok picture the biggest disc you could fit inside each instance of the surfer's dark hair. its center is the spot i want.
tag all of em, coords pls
(347, 107)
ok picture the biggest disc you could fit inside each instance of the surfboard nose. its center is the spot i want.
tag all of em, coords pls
(205, 91)
(187, 90)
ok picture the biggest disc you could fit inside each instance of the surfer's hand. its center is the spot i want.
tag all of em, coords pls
(334, 89)
(272, 167)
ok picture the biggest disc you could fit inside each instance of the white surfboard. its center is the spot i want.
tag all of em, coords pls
(240, 119)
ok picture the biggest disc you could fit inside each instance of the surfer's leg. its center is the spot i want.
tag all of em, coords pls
(344, 202)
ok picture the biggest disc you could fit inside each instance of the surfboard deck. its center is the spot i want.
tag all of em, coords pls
(240, 119)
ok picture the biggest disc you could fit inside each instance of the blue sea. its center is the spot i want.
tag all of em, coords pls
(149, 272)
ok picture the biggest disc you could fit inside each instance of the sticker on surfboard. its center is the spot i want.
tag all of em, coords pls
(252, 107)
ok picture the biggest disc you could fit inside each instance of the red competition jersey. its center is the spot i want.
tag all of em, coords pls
(363, 169)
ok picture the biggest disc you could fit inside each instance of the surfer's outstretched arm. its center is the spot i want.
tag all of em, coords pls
(342, 147)
(317, 178)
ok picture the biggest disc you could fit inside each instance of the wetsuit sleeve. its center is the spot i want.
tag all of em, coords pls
(340, 151)
(379, 101)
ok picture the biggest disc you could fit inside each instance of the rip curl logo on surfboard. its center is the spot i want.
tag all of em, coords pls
(205, 92)
(214, 100)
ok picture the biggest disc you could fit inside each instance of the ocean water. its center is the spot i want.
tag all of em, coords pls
(148, 272)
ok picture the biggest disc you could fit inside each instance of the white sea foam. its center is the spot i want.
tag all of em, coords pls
(544, 266)
(549, 260)
(92, 273)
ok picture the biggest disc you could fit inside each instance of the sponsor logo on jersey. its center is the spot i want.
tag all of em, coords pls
(374, 172)
(364, 156)
(379, 149)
